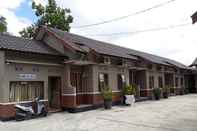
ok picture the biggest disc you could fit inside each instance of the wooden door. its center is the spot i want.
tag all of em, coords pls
(76, 81)
(55, 85)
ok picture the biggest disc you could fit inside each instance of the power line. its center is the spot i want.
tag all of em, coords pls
(124, 17)
(142, 31)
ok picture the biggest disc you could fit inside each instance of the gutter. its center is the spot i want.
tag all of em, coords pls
(32, 62)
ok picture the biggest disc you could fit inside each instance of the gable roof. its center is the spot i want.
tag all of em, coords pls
(26, 45)
(194, 62)
(83, 44)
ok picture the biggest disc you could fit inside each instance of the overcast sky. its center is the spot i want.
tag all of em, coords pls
(179, 43)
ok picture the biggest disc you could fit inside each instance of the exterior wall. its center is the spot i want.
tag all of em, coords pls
(156, 74)
(112, 77)
(9, 73)
(7, 110)
(44, 72)
(2, 78)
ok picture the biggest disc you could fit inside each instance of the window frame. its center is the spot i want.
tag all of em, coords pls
(160, 81)
(151, 82)
(103, 81)
(176, 81)
(122, 78)
(31, 91)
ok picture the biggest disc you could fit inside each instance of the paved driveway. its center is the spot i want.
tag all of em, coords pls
(174, 114)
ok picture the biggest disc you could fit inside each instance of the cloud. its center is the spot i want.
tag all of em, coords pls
(10, 4)
(15, 23)
(178, 44)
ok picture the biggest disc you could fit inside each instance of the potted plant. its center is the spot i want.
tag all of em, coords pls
(166, 91)
(157, 93)
(128, 95)
(107, 97)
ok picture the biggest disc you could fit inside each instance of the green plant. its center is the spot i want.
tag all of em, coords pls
(50, 15)
(128, 90)
(107, 93)
(166, 91)
(157, 93)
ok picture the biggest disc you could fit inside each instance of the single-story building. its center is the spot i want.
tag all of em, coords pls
(68, 71)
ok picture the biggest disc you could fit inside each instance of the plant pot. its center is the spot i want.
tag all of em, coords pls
(157, 98)
(165, 95)
(129, 99)
(107, 104)
(157, 93)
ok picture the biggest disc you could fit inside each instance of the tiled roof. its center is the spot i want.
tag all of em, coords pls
(110, 49)
(27, 45)
(194, 62)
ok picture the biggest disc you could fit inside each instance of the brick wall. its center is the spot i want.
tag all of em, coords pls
(8, 111)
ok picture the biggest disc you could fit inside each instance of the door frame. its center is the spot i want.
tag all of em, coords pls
(59, 80)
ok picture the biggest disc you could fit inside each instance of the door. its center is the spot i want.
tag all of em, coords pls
(76, 81)
(55, 92)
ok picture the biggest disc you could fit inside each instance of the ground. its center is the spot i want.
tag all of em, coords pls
(178, 113)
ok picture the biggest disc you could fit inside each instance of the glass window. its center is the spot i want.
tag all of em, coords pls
(151, 82)
(107, 60)
(25, 91)
(121, 81)
(103, 80)
(160, 82)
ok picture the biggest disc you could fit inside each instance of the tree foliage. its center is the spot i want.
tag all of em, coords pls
(3, 24)
(50, 15)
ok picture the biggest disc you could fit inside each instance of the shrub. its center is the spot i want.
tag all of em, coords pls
(157, 93)
(128, 90)
(166, 91)
(107, 93)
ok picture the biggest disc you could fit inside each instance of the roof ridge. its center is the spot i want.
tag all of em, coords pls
(155, 55)
(133, 51)
(13, 36)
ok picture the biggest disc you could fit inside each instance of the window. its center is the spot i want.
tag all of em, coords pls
(176, 81)
(25, 91)
(150, 66)
(159, 68)
(35, 69)
(18, 68)
(121, 81)
(107, 60)
(160, 82)
(151, 82)
(103, 80)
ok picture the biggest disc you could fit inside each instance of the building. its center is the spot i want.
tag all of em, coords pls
(67, 71)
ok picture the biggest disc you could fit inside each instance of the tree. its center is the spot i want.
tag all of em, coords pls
(3, 24)
(51, 15)
(194, 18)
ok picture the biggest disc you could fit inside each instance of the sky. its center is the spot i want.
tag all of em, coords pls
(178, 43)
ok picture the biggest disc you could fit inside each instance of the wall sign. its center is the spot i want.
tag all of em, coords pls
(27, 76)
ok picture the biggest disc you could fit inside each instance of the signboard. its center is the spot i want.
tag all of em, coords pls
(27, 76)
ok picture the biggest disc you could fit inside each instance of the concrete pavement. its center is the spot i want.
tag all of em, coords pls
(178, 113)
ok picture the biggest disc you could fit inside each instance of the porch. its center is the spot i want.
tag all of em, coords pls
(138, 78)
(77, 92)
